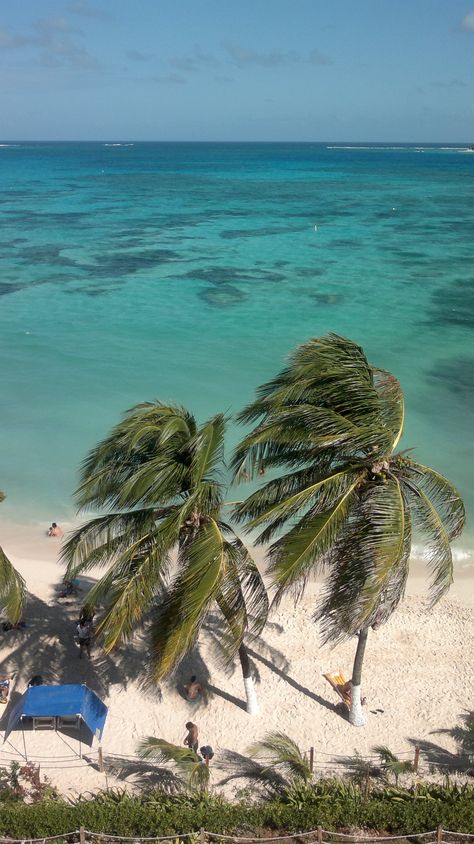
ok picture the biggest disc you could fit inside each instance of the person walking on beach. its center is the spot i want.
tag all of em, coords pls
(84, 634)
(191, 739)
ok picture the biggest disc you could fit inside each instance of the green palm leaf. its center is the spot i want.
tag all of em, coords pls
(442, 493)
(368, 559)
(304, 547)
(282, 753)
(12, 589)
(192, 772)
(437, 548)
(178, 622)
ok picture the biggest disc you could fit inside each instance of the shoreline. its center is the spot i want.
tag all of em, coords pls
(24, 544)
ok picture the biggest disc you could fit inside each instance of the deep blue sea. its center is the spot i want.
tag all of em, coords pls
(187, 272)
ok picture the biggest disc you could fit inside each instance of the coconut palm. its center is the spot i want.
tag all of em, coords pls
(159, 476)
(190, 770)
(348, 501)
(12, 587)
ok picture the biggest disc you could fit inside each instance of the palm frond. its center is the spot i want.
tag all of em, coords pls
(104, 539)
(437, 549)
(191, 770)
(330, 371)
(392, 406)
(149, 432)
(128, 589)
(304, 548)
(442, 493)
(178, 621)
(281, 752)
(207, 448)
(317, 497)
(12, 590)
(368, 558)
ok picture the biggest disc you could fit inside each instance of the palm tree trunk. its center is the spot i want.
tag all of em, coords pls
(356, 715)
(251, 697)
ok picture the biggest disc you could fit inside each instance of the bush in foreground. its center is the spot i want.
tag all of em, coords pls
(332, 804)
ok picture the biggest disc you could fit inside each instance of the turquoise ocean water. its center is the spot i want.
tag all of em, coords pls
(187, 272)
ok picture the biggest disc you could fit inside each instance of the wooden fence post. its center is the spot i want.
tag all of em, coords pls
(439, 836)
(100, 759)
(416, 760)
(320, 835)
(82, 835)
(202, 836)
(311, 759)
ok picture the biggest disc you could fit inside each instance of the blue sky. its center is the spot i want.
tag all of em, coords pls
(309, 70)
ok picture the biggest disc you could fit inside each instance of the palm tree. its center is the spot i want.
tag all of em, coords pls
(190, 770)
(12, 587)
(159, 476)
(275, 764)
(347, 502)
(391, 764)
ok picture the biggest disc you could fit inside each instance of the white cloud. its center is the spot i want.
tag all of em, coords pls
(136, 56)
(195, 61)
(87, 11)
(468, 22)
(54, 41)
(244, 57)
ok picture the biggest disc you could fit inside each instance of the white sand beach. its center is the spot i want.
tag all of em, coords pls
(418, 678)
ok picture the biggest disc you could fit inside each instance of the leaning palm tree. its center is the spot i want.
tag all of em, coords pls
(12, 587)
(159, 476)
(347, 501)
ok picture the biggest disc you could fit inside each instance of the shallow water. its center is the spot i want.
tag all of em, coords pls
(187, 272)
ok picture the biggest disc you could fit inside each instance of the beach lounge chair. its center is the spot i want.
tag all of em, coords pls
(341, 686)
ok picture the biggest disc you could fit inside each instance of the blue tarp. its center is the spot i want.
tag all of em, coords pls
(68, 700)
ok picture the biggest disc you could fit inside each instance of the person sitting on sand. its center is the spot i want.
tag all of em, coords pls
(55, 530)
(84, 634)
(193, 690)
(191, 739)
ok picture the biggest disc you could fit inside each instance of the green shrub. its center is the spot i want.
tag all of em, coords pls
(332, 804)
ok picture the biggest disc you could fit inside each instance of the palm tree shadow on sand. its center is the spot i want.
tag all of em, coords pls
(461, 761)
(47, 646)
(282, 671)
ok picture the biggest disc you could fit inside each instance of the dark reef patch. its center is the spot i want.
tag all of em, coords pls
(122, 264)
(231, 234)
(223, 296)
(457, 375)
(454, 304)
(225, 275)
(47, 254)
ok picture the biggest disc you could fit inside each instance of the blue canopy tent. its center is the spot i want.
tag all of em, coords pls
(57, 707)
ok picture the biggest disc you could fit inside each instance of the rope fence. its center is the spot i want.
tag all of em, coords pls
(318, 760)
(203, 836)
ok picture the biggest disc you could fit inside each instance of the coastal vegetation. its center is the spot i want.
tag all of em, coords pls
(333, 804)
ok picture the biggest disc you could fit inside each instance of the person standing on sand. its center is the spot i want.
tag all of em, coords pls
(84, 634)
(191, 739)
